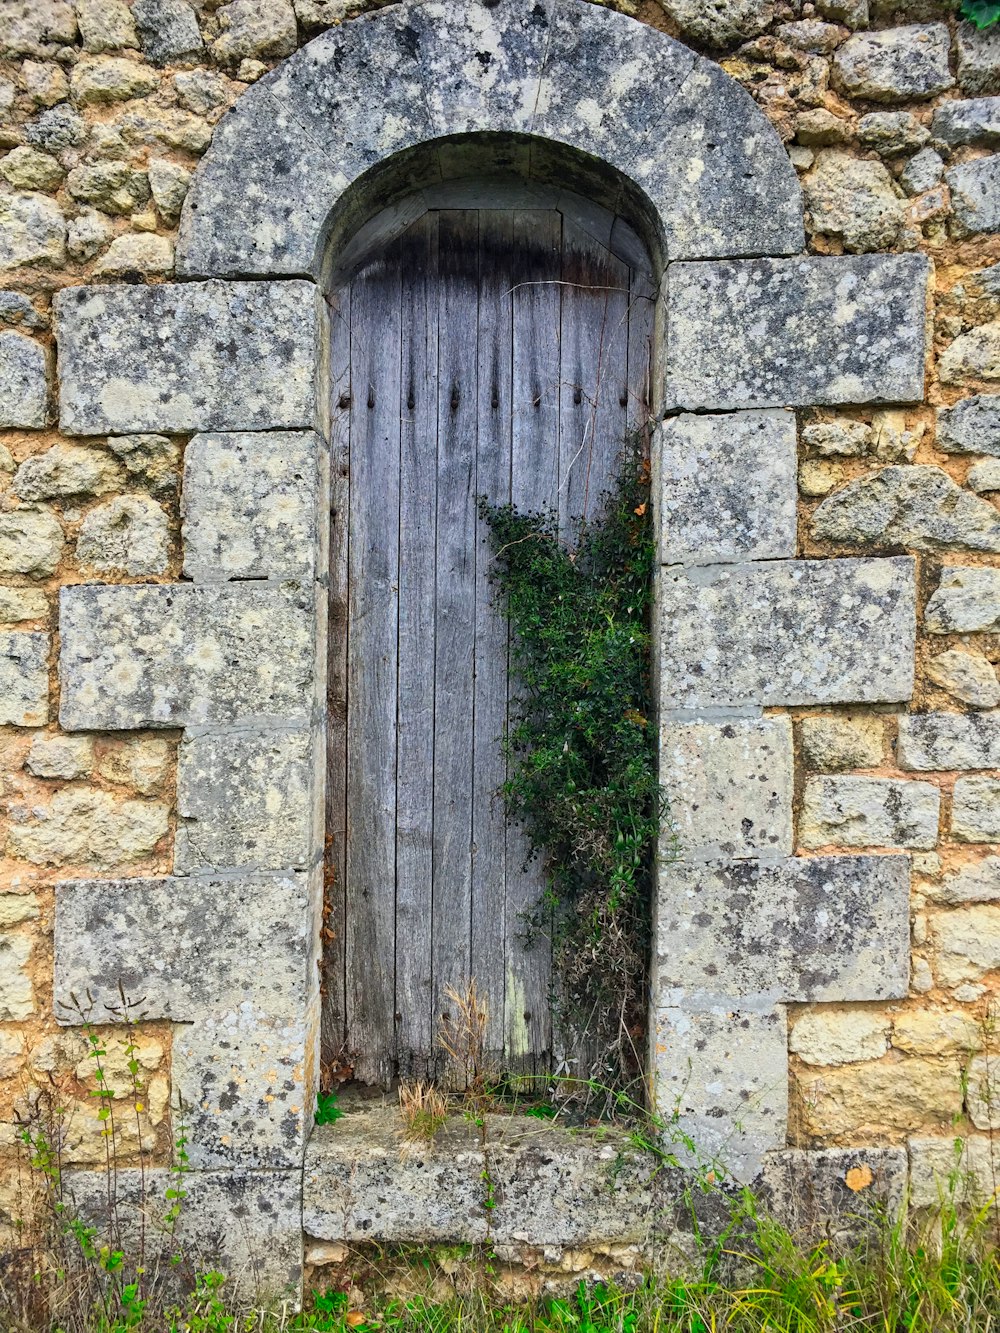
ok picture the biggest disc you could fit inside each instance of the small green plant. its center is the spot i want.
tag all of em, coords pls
(582, 751)
(980, 12)
(328, 1110)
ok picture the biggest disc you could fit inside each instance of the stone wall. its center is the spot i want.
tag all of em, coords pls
(891, 116)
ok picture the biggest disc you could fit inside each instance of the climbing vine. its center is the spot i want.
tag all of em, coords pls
(981, 12)
(582, 756)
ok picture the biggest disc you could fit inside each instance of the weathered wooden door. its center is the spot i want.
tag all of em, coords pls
(483, 351)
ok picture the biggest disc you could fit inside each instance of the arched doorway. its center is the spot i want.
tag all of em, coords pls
(496, 344)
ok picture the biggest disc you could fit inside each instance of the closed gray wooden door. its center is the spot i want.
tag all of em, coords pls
(500, 352)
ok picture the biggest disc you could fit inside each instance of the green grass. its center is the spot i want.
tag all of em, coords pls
(940, 1277)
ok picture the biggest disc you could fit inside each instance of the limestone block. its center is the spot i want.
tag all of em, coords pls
(972, 356)
(250, 505)
(914, 506)
(136, 254)
(935, 1032)
(161, 655)
(929, 741)
(24, 392)
(105, 25)
(128, 535)
(717, 174)
(615, 67)
(101, 79)
(55, 756)
(150, 127)
(113, 187)
(27, 169)
(17, 604)
(840, 1036)
(729, 786)
(966, 600)
(195, 356)
(87, 234)
(140, 762)
(256, 30)
(245, 800)
(975, 192)
(958, 1170)
(978, 882)
(552, 1187)
(16, 908)
(24, 678)
(793, 331)
(248, 1224)
(15, 308)
(218, 945)
(923, 171)
(11, 1053)
(895, 65)
(66, 470)
(983, 1094)
(847, 633)
(880, 1097)
(242, 1074)
(839, 1195)
(201, 90)
(35, 27)
(970, 677)
(58, 128)
(837, 439)
(721, 1074)
(978, 59)
(975, 810)
(842, 742)
(706, 22)
(81, 826)
(966, 943)
(31, 542)
(151, 460)
(892, 132)
(974, 121)
(169, 184)
(168, 30)
(869, 812)
(728, 488)
(32, 231)
(809, 929)
(985, 476)
(17, 1001)
(854, 199)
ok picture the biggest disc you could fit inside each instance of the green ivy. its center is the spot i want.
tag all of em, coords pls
(582, 749)
(981, 12)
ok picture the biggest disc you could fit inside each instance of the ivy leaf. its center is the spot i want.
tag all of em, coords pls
(981, 12)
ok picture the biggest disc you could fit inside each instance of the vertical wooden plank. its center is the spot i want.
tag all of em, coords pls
(371, 699)
(641, 322)
(458, 296)
(493, 460)
(333, 1032)
(593, 376)
(415, 1026)
(534, 486)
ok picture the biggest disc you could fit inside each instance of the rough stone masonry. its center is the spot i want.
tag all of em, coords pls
(828, 944)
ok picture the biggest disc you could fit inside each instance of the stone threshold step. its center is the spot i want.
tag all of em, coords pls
(532, 1183)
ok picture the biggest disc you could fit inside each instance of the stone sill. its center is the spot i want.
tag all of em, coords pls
(549, 1185)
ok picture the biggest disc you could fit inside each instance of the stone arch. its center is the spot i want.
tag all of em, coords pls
(235, 355)
(688, 137)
